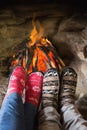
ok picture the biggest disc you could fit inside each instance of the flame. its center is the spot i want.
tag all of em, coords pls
(36, 35)
(38, 60)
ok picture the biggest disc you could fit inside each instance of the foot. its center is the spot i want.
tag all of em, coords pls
(17, 81)
(68, 86)
(34, 88)
(50, 88)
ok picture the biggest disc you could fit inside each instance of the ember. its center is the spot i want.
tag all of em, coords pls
(39, 54)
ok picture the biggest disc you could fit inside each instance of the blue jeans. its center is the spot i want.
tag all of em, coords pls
(16, 116)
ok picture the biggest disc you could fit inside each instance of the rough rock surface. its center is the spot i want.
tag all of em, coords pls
(65, 27)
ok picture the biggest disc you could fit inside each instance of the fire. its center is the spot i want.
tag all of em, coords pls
(41, 54)
(36, 35)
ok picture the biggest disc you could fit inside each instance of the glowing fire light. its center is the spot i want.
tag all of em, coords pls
(42, 54)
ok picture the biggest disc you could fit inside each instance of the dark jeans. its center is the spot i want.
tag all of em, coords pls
(16, 116)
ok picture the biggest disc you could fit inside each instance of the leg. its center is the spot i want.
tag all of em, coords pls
(72, 119)
(49, 118)
(12, 112)
(32, 98)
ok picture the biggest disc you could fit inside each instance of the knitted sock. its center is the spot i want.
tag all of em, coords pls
(50, 88)
(34, 88)
(68, 86)
(17, 81)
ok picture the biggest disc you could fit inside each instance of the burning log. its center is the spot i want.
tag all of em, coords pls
(36, 54)
(38, 57)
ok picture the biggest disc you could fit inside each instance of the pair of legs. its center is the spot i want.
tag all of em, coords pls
(14, 115)
(58, 110)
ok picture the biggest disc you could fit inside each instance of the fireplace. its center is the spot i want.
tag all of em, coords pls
(65, 29)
